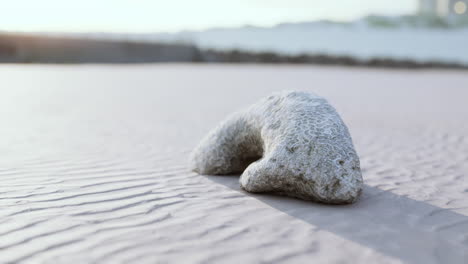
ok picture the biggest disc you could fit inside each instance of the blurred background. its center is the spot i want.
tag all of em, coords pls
(400, 33)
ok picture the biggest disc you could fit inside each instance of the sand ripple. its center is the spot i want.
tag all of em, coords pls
(93, 168)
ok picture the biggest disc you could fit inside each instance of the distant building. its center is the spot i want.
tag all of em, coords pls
(444, 8)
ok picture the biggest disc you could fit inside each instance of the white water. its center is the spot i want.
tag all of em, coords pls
(420, 44)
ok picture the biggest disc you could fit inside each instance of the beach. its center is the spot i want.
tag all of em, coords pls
(93, 167)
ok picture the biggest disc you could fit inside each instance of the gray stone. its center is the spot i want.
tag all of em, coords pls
(290, 143)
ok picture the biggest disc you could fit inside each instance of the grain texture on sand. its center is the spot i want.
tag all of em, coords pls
(93, 167)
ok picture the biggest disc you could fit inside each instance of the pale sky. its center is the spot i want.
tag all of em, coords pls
(175, 15)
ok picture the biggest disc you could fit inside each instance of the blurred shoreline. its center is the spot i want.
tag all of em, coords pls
(30, 48)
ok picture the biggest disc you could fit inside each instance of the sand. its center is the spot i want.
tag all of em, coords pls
(93, 167)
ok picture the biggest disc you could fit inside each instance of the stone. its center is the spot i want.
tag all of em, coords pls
(290, 143)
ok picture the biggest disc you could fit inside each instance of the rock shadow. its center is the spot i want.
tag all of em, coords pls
(413, 231)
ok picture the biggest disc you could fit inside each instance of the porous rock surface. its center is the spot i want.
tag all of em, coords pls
(291, 143)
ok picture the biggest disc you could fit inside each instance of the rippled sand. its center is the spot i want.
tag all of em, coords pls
(93, 167)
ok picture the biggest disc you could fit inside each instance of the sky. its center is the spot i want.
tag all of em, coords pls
(176, 15)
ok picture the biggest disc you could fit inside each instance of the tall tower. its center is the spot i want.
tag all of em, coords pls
(444, 8)
(428, 7)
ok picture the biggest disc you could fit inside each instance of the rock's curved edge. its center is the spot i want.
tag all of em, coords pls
(325, 170)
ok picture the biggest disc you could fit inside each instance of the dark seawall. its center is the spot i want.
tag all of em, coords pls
(24, 48)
